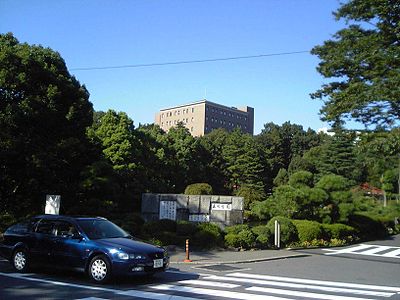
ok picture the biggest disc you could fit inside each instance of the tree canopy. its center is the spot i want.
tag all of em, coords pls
(44, 112)
(363, 61)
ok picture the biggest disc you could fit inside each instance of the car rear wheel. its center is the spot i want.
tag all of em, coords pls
(20, 260)
(99, 269)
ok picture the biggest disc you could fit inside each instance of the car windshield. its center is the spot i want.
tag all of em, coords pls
(101, 229)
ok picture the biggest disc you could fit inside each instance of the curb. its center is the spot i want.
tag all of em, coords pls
(233, 262)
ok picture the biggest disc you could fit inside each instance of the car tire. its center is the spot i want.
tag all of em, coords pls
(99, 269)
(20, 260)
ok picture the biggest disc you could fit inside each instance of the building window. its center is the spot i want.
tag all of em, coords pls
(191, 129)
(192, 119)
(192, 109)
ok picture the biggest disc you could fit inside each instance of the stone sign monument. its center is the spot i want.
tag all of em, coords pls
(222, 210)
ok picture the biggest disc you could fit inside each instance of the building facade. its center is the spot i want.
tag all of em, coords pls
(203, 116)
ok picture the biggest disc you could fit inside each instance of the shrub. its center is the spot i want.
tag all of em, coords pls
(339, 232)
(159, 226)
(368, 226)
(199, 189)
(263, 236)
(186, 228)
(244, 239)
(208, 236)
(308, 230)
(288, 230)
(236, 228)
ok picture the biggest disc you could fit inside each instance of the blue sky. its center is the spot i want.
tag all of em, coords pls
(96, 33)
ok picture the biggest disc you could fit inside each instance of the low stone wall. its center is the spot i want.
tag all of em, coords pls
(222, 210)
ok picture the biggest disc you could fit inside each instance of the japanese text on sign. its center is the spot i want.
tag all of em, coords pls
(199, 218)
(221, 206)
(168, 210)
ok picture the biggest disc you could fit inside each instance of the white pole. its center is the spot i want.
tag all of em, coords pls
(277, 234)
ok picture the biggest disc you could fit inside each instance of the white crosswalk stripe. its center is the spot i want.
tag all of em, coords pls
(238, 285)
(277, 288)
(368, 250)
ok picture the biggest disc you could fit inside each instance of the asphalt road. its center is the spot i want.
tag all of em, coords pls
(363, 271)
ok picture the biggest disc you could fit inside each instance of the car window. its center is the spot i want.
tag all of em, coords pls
(19, 228)
(101, 229)
(45, 227)
(65, 229)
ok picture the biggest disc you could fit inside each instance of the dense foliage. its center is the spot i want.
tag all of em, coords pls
(51, 142)
(363, 61)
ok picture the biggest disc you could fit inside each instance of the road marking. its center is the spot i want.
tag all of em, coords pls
(216, 293)
(210, 283)
(394, 253)
(318, 282)
(367, 249)
(301, 294)
(134, 293)
(302, 286)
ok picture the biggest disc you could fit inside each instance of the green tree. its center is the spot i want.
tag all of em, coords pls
(363, 61)
(281, 144)
(44, 113)
(243, 164)
(114, 135)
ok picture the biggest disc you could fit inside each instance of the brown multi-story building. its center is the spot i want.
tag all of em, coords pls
(203, 116)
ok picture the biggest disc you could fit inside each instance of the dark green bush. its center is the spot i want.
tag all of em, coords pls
(308, 230)
(236, 228)
(339, 231)
(186, 228)
(244, 239)
(208, 236)
(288, 230)
(199, 189)
(368, 226)
(264, 236)
(158, 226)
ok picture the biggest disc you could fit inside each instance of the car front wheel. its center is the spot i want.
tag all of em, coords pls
(99, 269)
(20, 260)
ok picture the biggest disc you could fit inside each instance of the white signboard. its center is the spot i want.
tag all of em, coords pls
(221, 206)
(52, 204)
(168, 210)
(199, 218)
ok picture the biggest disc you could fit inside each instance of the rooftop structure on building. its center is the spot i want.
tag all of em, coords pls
(203, 116)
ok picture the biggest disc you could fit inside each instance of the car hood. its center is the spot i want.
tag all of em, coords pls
(129, 245)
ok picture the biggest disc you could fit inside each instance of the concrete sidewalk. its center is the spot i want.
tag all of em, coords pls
(229, 257)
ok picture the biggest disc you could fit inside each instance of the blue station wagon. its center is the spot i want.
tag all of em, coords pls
(90, 244)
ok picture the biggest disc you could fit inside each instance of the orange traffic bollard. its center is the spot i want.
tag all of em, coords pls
(187, 259)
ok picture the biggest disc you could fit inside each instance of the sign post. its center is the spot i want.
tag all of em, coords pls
(277, 234)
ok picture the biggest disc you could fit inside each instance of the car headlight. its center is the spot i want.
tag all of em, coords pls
(137, 256)
(123, 255)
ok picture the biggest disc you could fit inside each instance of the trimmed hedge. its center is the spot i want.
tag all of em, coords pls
(288, 230)
(199, 189)
(308, 230)
(339, 231)
(208, 236)
(263, 236)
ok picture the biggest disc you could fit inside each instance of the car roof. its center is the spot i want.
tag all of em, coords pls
(65, 217)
